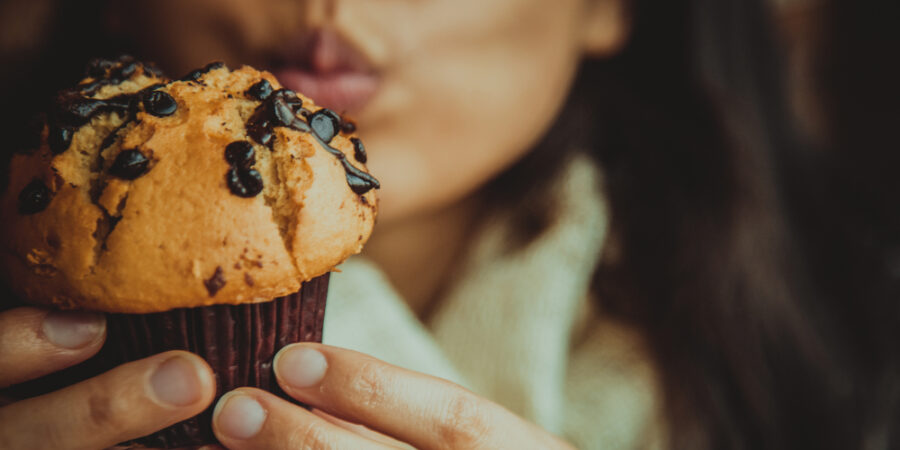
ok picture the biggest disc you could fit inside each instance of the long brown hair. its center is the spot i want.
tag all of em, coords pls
(762, 268)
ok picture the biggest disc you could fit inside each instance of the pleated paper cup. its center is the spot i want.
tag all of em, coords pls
(238, 341)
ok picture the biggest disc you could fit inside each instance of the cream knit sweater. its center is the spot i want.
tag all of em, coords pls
(518, 328)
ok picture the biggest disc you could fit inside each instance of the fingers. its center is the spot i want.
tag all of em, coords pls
(249, 418)
(424, 411)
(130, 401)
(362, 431)
(35, 342)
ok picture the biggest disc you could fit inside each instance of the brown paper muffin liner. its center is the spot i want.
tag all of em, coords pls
(238, 341)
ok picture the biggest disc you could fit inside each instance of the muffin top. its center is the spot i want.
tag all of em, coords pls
(146, 194)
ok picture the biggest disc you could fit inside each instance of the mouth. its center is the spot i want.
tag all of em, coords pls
(325, 68)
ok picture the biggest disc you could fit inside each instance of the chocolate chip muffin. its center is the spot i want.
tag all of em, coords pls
(205, 212)
(149, 194)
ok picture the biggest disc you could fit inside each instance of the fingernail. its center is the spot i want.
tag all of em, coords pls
(176, 382)
(300, 366)
(72, 330)
(239, 416)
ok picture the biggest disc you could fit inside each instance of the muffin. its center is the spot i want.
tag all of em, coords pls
(203, 213)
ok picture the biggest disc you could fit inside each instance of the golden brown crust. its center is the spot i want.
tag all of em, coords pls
(177, 236)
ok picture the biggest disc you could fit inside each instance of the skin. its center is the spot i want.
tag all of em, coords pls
(97, 413)
(466, 88)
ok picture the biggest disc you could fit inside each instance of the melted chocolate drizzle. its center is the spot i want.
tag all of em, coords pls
(359, 151)
(110, 138)
(74, 109)
(281, 110)
(196, 75)
(111, 72)
(325, 124)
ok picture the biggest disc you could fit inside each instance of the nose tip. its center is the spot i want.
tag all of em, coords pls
(324, 51)
(318, 13)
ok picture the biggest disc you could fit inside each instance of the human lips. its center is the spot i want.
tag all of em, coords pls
(340, 92)
(325, 68)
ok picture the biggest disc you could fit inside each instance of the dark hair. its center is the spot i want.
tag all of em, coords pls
(762, 269)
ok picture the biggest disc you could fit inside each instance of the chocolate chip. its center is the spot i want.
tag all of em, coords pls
(160, 104)
(216, 282)
(213, 66)
(125, 71)
(75, 111)
(290, 97)
(152, 70)
(34, 198)
(361, 182)
(282, 114)
(245, 183)
(240, 154)
(261, 132)
(281, 109)
(129, 164)
(98, 67)
(248, 279)
(260, 91)
(325, 123)
(259, 126)
(348, 127)
(265, 137)
(286, 93)
(195, 75)
(59, 139)
(359, 151)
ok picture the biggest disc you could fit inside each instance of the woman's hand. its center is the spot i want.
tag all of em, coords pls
(346, 388)
(128, 402)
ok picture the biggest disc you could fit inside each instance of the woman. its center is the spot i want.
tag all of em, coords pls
(711, 263)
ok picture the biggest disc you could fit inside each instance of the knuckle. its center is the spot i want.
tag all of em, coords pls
(310, 436)
(370, 384)
(465, 423)
(101, 414)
